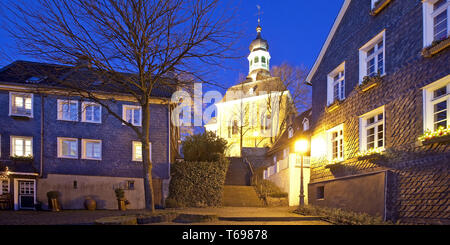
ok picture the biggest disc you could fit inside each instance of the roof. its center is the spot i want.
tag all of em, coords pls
(297, 126)
(336, 24)
(50, 75)
(267, 85)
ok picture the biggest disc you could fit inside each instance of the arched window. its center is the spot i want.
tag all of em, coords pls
(305, 124)
(235, 129)
(266, 122)
(263, 59)
(251, 62)
(290, 132)
(256, 59)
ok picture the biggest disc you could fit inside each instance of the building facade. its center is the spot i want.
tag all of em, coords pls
(51, 141)
(253, 112)
(381, 93)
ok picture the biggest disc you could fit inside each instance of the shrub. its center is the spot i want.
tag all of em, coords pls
(341, 217)
(120, 193)
(196, 184)
(172, 203)
(52, 195)
(268, 188)
(206, 147)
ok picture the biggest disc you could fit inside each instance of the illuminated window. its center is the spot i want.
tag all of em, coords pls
(132, 114)
(372, 130)
(336, 143)
(91, 112)
(436, 21)
(92, 149)
(137, 151)
(67, 148)
(305, 124)
(4, 186)
(21, 146)
(436, 104)
(68, 110)
(21, 104)
(290, 132)
(372, 57)
(336, 84)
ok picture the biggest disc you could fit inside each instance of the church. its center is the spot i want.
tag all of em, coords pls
(253, 113)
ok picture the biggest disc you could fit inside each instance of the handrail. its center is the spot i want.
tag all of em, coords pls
(250, 165)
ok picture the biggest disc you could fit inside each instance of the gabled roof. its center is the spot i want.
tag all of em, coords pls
(325, 46)
(50, 75)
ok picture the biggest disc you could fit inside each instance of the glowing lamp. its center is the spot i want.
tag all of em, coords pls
(301, 146)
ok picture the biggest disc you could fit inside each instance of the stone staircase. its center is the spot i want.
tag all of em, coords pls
(237, 191)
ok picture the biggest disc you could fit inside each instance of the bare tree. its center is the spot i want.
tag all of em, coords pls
(132, 47)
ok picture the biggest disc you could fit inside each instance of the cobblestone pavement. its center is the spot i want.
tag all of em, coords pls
(84, 217)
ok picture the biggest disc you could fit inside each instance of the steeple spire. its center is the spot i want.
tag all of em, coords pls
(259, 57)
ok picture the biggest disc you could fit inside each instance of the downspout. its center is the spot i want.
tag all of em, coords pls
(41, 169)
(169, 136)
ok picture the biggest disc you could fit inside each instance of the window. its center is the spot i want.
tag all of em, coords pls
(336, 143)
(68, 110)
(436, 104)
(320, 192)
(436, 24)
(372, 130)
(305, 124)
(336, 84)
(372, 57)
(266, 122)
(67, 148)
(130, 184)
(256, 59)
(92, 149)
(91, 112)
(5, 186)
(21, 146)
(235, 128)
(21, 104)
(290, 132)
(132, 114)
(137, 151)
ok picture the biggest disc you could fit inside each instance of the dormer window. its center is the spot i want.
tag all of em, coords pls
(290, 132)
(35, 80)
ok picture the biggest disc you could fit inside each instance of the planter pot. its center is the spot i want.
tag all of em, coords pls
(122, 205)
(441, 140)
(380, 5)
(90, 204)
(53, 204)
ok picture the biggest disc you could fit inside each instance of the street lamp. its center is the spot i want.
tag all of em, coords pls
(301, 147)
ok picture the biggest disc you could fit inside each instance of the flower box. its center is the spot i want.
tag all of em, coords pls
(441, 139)
(369, 82)
(334, 165)
(435, 48)
(333, 106)
(370, 156)
(18, 159)
(379, 5)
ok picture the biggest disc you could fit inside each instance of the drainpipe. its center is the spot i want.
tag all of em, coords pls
(41, 169)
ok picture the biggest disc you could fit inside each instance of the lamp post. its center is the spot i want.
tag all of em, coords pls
(301, 147)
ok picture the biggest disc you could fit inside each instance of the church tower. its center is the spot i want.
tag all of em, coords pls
(259, 58)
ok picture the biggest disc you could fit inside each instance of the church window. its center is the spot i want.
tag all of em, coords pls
(235, 128)
(263, 59)
(256, 59)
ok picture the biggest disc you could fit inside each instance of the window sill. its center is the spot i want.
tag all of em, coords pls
(65, 120)
(64, 157)
(93, 122)
(370, 156)
(20, 116)
(92, 159)
(335, 164)
(440, 140)
(435, 48)
(380, 5)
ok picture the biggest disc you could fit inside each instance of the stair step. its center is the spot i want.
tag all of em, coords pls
(241, 196)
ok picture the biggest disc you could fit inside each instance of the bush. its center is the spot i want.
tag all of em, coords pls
(195, 184)
(341, 217)
(52, 195)
(206, 147)
(172, 203)
(120, 193)
(268, 188)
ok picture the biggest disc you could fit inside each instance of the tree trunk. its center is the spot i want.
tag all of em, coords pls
(146, 162)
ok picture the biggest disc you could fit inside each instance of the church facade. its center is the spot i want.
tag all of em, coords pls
(253, 113)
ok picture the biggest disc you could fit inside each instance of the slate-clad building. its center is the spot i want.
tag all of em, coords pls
(380, 118)
(50, 141)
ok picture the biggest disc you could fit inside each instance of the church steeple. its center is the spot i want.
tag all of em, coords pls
(259, 58)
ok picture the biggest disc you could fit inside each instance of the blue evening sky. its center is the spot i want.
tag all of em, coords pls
(295, 30)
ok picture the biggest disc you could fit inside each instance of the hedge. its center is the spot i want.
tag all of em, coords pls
(197, 184)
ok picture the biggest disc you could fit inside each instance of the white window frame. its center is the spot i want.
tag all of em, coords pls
(133, 149)
(341, 144)
(83, 149)
(11, 95)
(428, 20)
(24, 138)
(331, 84)
(83, 112)
(363, 127)
(59, 147)
(429, 101)
(305, 124)
(60, 111)
(132, 107)
(363, 58)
